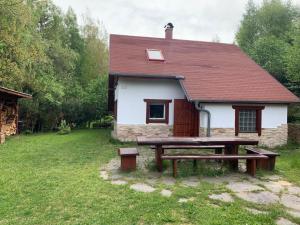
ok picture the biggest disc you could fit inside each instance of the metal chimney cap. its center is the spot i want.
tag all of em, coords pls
(169, 26)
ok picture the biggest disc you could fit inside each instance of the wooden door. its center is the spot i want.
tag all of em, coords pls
(186, 119)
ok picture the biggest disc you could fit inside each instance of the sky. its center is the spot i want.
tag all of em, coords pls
(202, 20)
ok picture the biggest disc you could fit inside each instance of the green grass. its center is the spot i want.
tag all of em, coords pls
(54, 179)
(288, 164)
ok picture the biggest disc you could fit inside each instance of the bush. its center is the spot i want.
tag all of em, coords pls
(64, 128)
(27, 132)
(105, 122)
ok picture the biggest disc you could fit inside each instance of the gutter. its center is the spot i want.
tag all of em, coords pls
(201, 109)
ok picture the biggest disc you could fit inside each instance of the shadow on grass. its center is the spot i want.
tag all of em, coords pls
(186, 168)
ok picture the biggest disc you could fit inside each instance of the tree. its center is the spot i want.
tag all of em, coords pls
(248, 31)
(265, 35)
(46, 53)
(95, 54)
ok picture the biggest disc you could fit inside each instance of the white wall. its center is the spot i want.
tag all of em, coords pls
(131, 93)
(223, 116)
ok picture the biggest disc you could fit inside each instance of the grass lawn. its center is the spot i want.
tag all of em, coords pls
(53, 179)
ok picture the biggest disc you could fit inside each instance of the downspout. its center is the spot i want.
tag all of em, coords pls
(200, 108)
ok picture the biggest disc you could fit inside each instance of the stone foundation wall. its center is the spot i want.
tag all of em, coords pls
(270, 137)
(294, 132)
(130, 132)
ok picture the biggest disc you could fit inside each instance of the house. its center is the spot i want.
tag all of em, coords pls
(9, 111)
(169, 87)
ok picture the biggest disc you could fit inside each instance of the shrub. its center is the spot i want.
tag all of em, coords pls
(64, 128)
(27, 132)
(105, 122)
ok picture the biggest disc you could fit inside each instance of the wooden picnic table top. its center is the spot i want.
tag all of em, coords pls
(141, 140)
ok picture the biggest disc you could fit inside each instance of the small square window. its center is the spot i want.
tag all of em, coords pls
(247, 120)
(157, 111)
(155, 54)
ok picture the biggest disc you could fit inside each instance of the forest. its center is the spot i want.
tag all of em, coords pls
(64, 65)
(44, 52)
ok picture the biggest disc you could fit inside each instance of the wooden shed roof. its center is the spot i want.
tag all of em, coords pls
(14, 93)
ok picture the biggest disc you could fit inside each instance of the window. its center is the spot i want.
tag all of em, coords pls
(248, 119)
(155, 55)
(157, 110)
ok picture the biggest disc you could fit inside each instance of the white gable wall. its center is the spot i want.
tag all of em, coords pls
(223, 116)
(131, 93)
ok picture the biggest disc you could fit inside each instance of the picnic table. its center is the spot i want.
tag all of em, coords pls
(231, 145)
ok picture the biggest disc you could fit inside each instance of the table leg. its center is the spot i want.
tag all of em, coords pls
(158, 153)
(232, 150)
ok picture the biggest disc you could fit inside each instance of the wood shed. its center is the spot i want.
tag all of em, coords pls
(9, 111)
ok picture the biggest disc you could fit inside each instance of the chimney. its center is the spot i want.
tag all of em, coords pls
(169, 31)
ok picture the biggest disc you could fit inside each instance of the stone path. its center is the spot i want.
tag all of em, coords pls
(225, 197)
(267, 190)
(283, 221)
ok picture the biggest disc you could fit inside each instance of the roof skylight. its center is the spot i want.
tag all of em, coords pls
(155, 54)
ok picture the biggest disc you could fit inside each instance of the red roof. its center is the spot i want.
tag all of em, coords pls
(213, 72)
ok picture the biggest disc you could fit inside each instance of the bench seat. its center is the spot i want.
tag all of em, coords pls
(128, 158)
(251, 160)
(191, 147)
(266, 164)
(218, 148)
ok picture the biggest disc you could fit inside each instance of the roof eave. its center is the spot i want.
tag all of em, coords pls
(246, 101)
(144, 75)
(15, 93)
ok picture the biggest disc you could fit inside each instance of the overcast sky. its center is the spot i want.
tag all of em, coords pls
(192, 19)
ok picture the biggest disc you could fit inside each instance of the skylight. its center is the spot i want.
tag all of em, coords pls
(155, 54)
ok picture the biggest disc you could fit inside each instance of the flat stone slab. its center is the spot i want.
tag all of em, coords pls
(283, 221)
(225, 197)
(119, 182)
(255, 211)
(284, 183)
(222, 179)
(272, 177)
(264, 197)
(168, 180)
(142, 187)
(274, 186)
(184, 200)
(116, 176)
(152, 181)
(290, 201)
(294, 213)
(166, 193)
(104, 175)
(243, 186)
(191, 182)
(294, 190)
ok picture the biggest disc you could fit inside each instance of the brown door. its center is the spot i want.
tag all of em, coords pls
(186, 119)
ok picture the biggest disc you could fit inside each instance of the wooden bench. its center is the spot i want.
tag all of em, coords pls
(218, 148)
(251, 160)
(266, 164)
(128, 158)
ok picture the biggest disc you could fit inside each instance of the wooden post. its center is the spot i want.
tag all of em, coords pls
(174, 164)
(1, 107)
(232, 150)
(251, 167)
(17, 118)
(195, 164)
(158, 153)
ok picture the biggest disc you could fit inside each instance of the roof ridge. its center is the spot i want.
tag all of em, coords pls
(172, 40)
